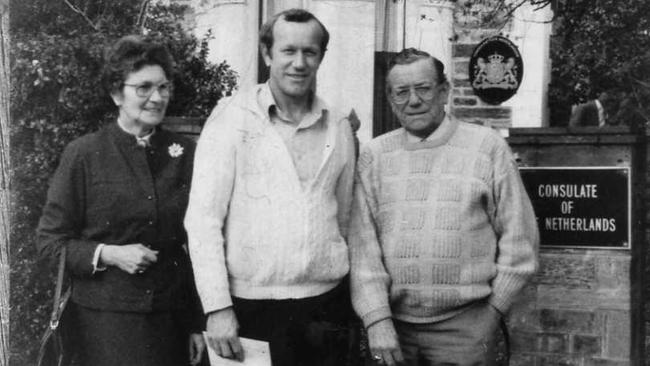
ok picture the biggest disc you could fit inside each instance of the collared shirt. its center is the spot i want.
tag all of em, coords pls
(255, 229)
(601, 113)
(411, 138)
(142, 141)
(304, 140)
(145, 141)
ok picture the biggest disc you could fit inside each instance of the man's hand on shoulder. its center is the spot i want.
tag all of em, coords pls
(222, 328)
(384, 345)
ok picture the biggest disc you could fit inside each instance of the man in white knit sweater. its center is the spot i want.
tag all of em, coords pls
(443, 235)
(269, 208)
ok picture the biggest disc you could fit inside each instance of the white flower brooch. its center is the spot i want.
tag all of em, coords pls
(175, 150)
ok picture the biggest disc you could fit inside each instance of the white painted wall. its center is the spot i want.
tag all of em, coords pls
(429, 27)
(346, 75)
(234, 25)
(531, 33)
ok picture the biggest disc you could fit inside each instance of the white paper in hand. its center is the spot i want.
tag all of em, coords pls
(256, 353)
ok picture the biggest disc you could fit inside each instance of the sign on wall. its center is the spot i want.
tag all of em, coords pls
(581, 207)
(495, 70)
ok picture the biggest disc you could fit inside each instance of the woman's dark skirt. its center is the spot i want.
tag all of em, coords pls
(129, 339)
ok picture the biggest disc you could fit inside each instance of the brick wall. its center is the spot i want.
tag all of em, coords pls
(465, 105)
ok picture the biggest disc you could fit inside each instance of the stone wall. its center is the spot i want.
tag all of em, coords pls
(584, 306)
(575, 312)
(188, 126)
(646, 272)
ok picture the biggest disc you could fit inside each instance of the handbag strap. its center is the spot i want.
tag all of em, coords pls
(59, 305)
(506, 339)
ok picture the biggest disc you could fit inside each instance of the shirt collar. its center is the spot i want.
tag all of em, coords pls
(411, 138)
(145, 140)
(269, 106)
(127, 138)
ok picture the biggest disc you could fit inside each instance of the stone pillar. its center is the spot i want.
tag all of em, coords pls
(585, 305)
(531, 32)
(429, 27)
(234, 25)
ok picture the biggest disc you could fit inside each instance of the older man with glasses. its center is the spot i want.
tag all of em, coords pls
(443, 235)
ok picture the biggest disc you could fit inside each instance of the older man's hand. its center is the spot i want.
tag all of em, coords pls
(383, 343)
(222, 328)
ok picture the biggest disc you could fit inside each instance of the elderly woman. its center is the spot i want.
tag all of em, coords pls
(116, 202)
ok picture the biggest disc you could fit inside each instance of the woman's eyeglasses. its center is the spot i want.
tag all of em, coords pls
(146, 89)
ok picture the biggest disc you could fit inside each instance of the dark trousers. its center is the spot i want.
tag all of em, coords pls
(312, 331)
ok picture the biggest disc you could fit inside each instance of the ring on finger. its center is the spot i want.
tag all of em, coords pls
(376, 357)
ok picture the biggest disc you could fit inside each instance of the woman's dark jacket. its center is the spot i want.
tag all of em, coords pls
(109, 190)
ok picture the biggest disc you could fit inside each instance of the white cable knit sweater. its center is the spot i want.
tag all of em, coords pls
(439, 224)
(254, 231)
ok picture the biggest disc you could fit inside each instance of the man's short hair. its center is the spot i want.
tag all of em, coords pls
(291, 15)
(410, 55)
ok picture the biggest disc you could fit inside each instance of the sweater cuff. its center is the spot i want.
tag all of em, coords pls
(501, 304)
(216, 304)
(375, 316)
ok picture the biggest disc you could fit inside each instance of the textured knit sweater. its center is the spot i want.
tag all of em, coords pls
(255, 230)
(439, 224)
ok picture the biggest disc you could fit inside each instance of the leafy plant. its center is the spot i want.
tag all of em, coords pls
(601, 45)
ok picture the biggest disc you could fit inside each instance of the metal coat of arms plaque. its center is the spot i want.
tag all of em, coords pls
(495, 70)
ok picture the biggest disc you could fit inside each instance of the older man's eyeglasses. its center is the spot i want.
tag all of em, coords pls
(402, 95)
(146, 89)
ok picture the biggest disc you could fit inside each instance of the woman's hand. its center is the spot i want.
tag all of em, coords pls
(131, 258)
(197, 346)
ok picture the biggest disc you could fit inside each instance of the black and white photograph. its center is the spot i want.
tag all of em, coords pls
(325, 182)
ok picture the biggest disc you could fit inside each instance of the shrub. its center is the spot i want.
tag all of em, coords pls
(601, 45)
